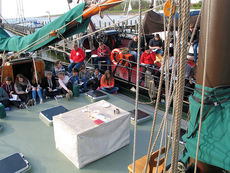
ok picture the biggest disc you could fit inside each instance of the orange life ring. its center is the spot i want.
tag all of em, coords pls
(116, 55)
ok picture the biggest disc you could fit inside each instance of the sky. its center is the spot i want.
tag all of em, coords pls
(33, 8)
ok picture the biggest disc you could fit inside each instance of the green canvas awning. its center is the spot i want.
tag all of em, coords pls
(18, 43)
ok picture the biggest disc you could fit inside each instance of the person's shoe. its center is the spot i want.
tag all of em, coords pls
(115, 92)
(31, 102)
(7, 109)
(71, 93)
(47, 97)
(41, 101)
(68, 96)
(22, 106)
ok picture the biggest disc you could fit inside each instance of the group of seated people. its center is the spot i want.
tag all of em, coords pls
(58, 83)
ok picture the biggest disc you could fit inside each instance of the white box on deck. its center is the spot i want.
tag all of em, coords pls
(82, 141)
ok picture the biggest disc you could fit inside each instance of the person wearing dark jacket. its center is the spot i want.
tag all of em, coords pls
(156, 44)
(195, 41)
(23, 89)
(8, 86)
(4, 98)
(49, 85)
(133, 44)
(94, 81)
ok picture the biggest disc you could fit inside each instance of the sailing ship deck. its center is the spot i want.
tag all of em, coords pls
(24, 132)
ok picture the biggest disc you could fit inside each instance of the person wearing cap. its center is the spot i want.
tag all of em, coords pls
(195, 41)
(148, 59)
(77, 58)
(103, 54)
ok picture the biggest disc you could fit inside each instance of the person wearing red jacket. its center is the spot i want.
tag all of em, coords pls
(107, 83)
(77, 58)
(103, 53)
(148, 59)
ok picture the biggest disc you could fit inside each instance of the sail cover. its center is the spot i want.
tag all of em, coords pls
(41, 37)
(214, 147)
(154, 22)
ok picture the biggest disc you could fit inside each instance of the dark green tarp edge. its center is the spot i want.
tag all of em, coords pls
(214, 148)
(3, 33)
(18, 43)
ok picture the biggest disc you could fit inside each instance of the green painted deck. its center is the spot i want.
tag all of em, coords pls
(24, 132)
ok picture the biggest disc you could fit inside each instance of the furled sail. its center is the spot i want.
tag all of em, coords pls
(42, 37)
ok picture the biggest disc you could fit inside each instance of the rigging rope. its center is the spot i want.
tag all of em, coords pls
(185, 6)
(159, 91)
(203, 85)
(137, 84)
(90, 34)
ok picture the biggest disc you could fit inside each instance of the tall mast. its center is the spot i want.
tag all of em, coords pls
(0, 8)
(218, 61)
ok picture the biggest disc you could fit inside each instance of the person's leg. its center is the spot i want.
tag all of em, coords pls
(85, 84)
(34, 94)
(96, 62)
(105, 89)
(114, 89)
(134, 53)
(195, 48)
(6, 103)
(108, 63)
(39, 91)
(142, 74)
(70, 66)
(69, 85)
(23, 97)
(78, 65)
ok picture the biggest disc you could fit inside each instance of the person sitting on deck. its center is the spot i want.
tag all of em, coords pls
(107, 83)
(8, 86)
(23, 89)
(103, 53)
(65, 85)
(94, 82)
(77, 58)
(148, 59)
(156, 44)
(58, 67)
(36, 87)
(4, 98)
(49, 86)
(133, 47)
(74, 78)
(84, 77)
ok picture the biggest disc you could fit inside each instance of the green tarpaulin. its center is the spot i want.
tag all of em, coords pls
(214, 145)
(3, 34)
(18, 43)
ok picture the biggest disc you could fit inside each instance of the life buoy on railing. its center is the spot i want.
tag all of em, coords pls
(116, 55)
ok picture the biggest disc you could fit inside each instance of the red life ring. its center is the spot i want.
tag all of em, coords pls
(116, 55)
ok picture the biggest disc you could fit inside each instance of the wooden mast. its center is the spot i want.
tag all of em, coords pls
(218, 62)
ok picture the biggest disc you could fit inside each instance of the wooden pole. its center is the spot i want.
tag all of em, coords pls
(218, 61)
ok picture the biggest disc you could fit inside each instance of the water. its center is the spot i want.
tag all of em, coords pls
(108, 18)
